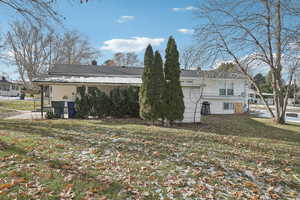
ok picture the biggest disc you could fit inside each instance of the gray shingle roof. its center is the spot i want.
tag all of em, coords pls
(95, 70)
(100, 70)
(4, 81)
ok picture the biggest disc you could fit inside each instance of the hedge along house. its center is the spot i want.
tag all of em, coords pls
(220, 92)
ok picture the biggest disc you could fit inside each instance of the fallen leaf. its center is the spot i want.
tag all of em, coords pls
(249, 184)
(19, 180)
(5, 186)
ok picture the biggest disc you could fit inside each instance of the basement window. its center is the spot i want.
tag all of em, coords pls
(228, 106)
(222, 92)
(230, 92)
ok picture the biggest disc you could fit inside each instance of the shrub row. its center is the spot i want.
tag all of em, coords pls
(122, 102)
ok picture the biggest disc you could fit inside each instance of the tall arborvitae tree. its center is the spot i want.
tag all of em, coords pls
(173, 95)
(147, 90)
(159, 84)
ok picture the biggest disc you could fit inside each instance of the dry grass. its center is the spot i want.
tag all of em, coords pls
(227, 157)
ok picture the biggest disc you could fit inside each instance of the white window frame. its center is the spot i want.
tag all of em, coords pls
(230, 106)
(227, 87)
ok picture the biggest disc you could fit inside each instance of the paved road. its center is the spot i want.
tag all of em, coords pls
(30, 115)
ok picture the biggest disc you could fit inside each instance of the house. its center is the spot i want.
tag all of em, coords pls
(9, 88)
(254, 98)
(222, 92)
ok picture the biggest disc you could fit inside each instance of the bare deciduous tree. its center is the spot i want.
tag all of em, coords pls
(2, 47)
(252, 33)
(29, 48)
(72, 48)
(37, 11)
(126, 59)
(33, 47)
(192, 57)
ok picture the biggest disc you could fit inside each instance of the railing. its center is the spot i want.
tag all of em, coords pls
(218, 95)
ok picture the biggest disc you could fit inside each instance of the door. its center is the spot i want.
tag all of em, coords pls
(238, 107)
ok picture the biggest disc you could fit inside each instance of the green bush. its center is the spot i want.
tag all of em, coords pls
(116, 100)
(82, 105)
(100, 103)
(22, 96)
(122, 102)
(133, 101)
(50, 114)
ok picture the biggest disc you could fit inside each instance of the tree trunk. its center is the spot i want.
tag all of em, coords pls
(280, 119)
(162, 121)
(276, 72)
(168, 123)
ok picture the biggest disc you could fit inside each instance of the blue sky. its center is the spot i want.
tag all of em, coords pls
(125, 25)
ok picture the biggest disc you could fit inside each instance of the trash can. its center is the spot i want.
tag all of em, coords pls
(205, 108)
(71, 109)
(58, 108)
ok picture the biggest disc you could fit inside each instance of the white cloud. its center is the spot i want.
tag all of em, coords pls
(124, 19)
(135, 44)
(185, 31)
(188, 8)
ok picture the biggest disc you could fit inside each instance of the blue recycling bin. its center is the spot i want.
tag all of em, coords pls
(71, 109)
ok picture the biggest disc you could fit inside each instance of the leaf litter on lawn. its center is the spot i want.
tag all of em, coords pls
(138, 162)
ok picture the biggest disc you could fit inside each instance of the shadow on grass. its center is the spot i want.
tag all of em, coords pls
(243, 125)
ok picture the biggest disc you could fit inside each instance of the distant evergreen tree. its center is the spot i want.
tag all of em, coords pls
(173, 95)
(147, 90)
(159, 84)
(259, 79)
(267, 86)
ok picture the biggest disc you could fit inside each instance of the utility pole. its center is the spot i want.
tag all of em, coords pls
(295, 91)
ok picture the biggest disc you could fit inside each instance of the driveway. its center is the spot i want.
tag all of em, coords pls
(26, 115)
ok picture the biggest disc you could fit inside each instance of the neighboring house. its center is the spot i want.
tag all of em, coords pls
(223, 92)
(254, 98)
(9, 88)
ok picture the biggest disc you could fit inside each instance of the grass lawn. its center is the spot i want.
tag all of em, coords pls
(5, 110)
(19, 104)
(227, 157)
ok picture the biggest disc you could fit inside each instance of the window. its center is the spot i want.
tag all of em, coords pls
(230, 92)
(227, 89)
(222, 92)
(5, 87)
(230, 89)
(228, 106)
